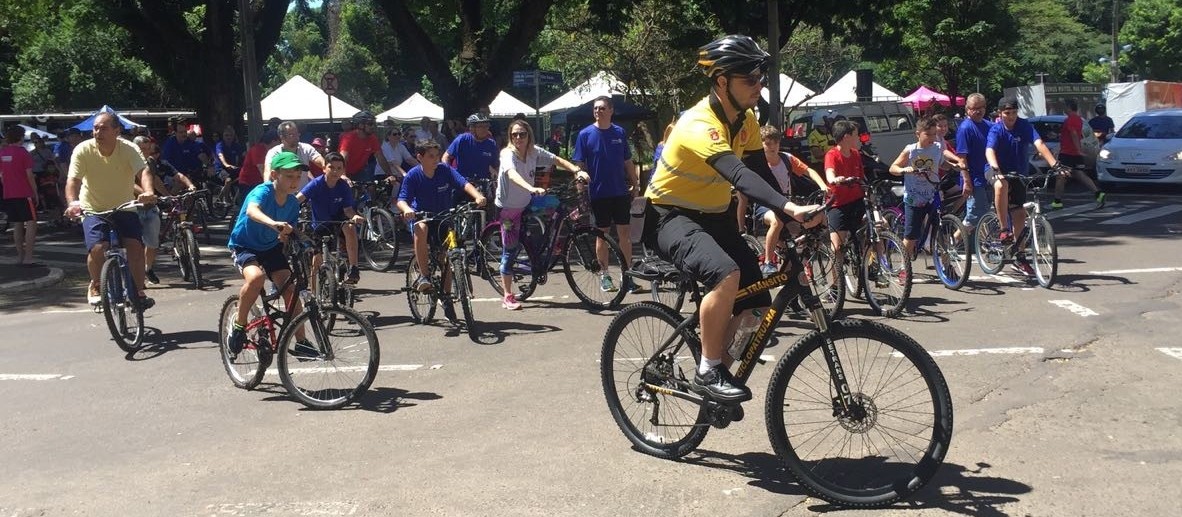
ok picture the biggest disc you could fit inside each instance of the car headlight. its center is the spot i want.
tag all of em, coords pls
(1173, 157)
(1107, 154)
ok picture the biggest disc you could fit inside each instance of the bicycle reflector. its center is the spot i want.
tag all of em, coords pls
(865, 138)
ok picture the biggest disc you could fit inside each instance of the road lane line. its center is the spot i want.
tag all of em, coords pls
(34, 377)
(1133, 271)
(1013, 350)
(1176, 353)
(357, 369)
(1076, 308)
(1071, 211)
(1137, 217)
(996, 278)
(297, 508)
(764, 357)
(67, 311)
(531, 298)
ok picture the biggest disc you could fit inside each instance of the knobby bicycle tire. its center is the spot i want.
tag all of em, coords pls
(192, 257)
(657, 424)
(462, 291)
(886, 273)
(349, 367)
(422, 305)
(124, 317)
(245, 371)
(584, 272)
(379, 240)
(914, 412)
(1044, 251)
(951, 255)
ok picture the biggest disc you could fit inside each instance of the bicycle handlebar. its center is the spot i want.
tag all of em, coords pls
(125, 207)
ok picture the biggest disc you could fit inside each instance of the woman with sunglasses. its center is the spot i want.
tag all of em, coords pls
(396, 156)
(515, 190)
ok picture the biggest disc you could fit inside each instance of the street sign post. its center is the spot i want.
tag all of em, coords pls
(328, 83)
(536, 78)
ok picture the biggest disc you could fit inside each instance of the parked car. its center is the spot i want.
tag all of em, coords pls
(888, 126)
(1146, 149)
(1049, 128)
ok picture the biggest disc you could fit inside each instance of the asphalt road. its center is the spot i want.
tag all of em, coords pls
(1066, 403)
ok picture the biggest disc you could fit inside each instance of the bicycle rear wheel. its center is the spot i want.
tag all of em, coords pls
(379, 242)
(889, 443)
(222, 202)
(656, 423)
(491, 247)
(124, 318)
(819, 271)
(246, 370)
(192, 257)
(951, 254)
(599, 286)
(461, 287)
(343, 366)
(886, 273)
(422, 305)
(1044, 251)
(990, 250)
(668, 293)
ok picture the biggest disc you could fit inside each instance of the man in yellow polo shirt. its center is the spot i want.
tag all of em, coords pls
(102, 176)
(690, 193)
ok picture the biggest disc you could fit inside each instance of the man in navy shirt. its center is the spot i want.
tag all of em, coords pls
(1102, 124)
(1006, 151)
(971, 137)
(602, 150)
(185, 155)
(331, 199)
(475, 152)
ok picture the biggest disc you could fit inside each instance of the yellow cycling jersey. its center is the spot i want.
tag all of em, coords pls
(684, 176)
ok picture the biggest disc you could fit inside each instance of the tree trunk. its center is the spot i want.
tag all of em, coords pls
(206, 71)
(486, 64)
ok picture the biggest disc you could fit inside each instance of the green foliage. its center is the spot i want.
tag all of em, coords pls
(1051, 41)
(817, 60)
(1154, 29)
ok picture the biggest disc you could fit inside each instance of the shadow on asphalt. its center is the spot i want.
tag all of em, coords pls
(495, 332)
(378, 400)
(157, 343)
(959, 490)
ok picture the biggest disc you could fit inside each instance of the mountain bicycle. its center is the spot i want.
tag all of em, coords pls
(949, 256)
(379, 239)
(120, 298)
(448, 267)
(993, 253)
(341, 362)
(330, 286)
(857, 411)
(567, 237)
(875, 267)
(176, 228)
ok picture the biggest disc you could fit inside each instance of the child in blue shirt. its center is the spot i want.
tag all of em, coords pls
(429, 187)
(256, 244)
(331, 199)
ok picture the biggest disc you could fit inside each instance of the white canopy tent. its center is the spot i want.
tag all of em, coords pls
(791, 91)
(508, 105)
(842, 92)
(602, 83)
(300, 100)
(413, 109)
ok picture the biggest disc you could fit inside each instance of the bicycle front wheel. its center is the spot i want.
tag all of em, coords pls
(893, 438)
(124, 318)
(828, 284)
(192, 257)
(246, 370)
(492, 248)
(990, 250)
(462, 292)
(379, 242)
(599, 285)
(635, 379)
(334, 366)
(886, 273)
(951, 253)
(422, 305)
(1044, 251)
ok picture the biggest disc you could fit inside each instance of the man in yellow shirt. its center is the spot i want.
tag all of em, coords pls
(820, 140)
(714, 146)
(102, 176)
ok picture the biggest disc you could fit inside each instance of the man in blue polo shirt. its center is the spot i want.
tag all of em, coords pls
(185, 154)
(971, 137)
(475, 152)
(602, 150)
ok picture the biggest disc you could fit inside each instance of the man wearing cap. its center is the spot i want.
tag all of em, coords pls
(475, 152)
(256, 244)
(289, 140)
(1006, 150)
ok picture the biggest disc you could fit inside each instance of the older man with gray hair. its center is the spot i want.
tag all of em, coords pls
(289, 140)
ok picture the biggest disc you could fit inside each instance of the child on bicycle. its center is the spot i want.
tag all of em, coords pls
(429, 187)
(919, 164)
(264, 223)
(331, 199)
(843, 172)
(515, 188)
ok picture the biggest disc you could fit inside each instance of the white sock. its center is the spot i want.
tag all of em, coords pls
(707, 364)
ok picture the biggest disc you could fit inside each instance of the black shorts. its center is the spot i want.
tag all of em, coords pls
(272, 260)
(914, 217)
(1017, 194)
(847, 217)
(1072, 160)
(20, 209)
(611, 210)
(709, 247)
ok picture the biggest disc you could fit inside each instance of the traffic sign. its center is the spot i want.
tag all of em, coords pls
(524, 78)
(328, 83)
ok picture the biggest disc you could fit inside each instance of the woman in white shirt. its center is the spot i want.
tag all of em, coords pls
(515, 190)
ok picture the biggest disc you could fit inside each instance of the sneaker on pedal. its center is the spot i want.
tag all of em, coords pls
(510, 302)
(236, 342)
(1100, 199)
(630, 286)
(1006, 237)
(1023, 267)
(903, 277)
(151, 276)
(606, 285)
(146, 303)
(718, 385)
(304, 350)
(423, 285)
(354, 275)
(768, 269)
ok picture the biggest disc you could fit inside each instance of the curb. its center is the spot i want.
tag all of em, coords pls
(55, 275)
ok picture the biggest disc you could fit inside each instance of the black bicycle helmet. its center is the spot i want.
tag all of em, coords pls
(477, 118)
(732, 54)
(363, 116)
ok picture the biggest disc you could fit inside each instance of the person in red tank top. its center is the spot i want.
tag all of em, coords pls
(1071, 155)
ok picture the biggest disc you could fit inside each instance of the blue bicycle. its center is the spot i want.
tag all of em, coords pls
(120, 300)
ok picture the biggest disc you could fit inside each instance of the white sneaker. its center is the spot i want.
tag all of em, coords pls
(510, 302)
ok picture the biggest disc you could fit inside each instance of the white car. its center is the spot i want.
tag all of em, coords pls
(1049, 128)
(1146, 150)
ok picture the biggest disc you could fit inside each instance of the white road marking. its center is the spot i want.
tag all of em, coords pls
(304, 508)
(357, 369)
(34, 377)
(1176, 353)
(67, 311)
(980, 351)
(1137, 217)
(1071, 211)
(766, 357)
(996, 278)
(1133, 271)
(531, 298)
(1076, 308)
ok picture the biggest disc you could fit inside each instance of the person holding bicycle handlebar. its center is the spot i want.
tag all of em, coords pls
(918, 163)
(331, 199)
(715, 145)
